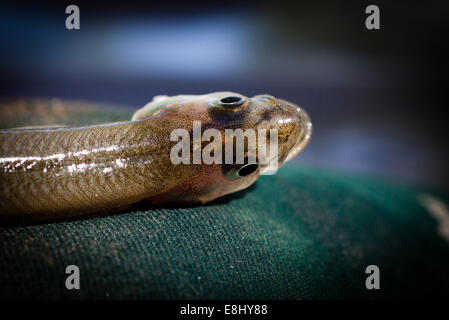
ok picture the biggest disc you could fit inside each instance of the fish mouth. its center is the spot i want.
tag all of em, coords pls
(301, 142)
(304, 137)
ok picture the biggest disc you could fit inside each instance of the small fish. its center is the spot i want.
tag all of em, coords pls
(58, 173)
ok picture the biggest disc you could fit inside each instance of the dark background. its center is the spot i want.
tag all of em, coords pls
(376, 98)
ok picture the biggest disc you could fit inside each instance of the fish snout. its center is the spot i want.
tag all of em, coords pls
(301, 128)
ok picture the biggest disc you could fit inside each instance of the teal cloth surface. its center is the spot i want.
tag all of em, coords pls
(300, 234)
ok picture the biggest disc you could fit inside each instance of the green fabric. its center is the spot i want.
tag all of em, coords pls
(300, 234)
(297, 235)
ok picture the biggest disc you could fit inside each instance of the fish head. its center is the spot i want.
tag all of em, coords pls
(252, 136)
(282, 129)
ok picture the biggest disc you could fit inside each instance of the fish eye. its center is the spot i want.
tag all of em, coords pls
(247, 170)
(231, 101)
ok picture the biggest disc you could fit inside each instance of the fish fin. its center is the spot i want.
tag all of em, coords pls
(159, 98)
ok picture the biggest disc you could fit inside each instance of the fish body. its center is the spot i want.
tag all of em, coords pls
(70, 172)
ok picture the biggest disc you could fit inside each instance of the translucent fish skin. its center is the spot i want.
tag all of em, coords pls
(70, 172)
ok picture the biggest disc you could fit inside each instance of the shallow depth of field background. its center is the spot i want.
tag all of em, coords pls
(376, 98)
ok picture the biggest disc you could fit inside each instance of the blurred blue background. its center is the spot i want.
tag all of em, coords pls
(376, 98)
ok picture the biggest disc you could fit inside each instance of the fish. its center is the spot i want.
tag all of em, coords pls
(66, 172)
